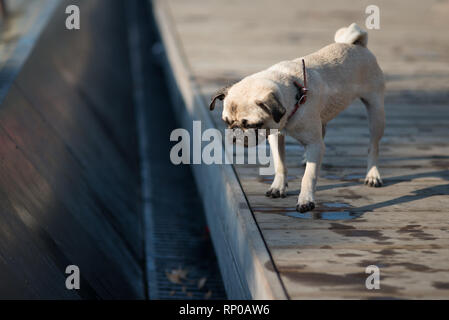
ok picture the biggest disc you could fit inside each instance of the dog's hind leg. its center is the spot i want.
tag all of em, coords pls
(279, 186)
(376, 117)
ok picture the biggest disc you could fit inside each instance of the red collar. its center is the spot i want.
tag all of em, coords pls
(301, 96)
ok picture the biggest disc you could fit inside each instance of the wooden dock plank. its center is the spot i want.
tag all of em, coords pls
(402, 227)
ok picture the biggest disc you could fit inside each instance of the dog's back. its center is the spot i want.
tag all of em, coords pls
(347, 68)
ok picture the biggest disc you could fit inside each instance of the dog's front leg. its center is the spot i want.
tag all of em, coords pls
(314, 154)
(279, 186)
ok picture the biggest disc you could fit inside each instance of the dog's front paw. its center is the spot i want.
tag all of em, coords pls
(278, 188)
(306, 201)
(373, 178)
(308, 206)
(375, 182)
(277, 192)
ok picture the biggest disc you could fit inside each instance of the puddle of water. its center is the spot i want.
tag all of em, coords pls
(325, 215)
(336, 205)
(325, 211)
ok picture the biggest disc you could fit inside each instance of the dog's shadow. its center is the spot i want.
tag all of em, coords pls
(439, 190)
(428, 192)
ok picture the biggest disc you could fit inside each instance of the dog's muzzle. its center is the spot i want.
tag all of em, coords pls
(248, 137)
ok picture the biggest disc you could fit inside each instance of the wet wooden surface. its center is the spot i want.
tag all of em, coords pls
(69, 174)
(402, 228)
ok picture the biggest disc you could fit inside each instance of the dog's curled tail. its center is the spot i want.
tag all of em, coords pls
(352, 35)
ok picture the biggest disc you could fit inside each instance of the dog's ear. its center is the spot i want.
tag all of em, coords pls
(220, 94)
(272, 105)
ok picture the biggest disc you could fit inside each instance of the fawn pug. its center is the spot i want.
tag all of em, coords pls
(299, 97)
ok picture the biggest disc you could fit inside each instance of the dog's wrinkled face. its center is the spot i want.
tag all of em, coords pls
(251, 104)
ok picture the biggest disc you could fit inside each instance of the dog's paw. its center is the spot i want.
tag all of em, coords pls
(277, 192)
(278, 188)
(375, 182)
(373, 178)
(308, 206)
(306, 201)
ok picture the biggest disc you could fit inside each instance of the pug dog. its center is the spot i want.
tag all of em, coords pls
(299, 97)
